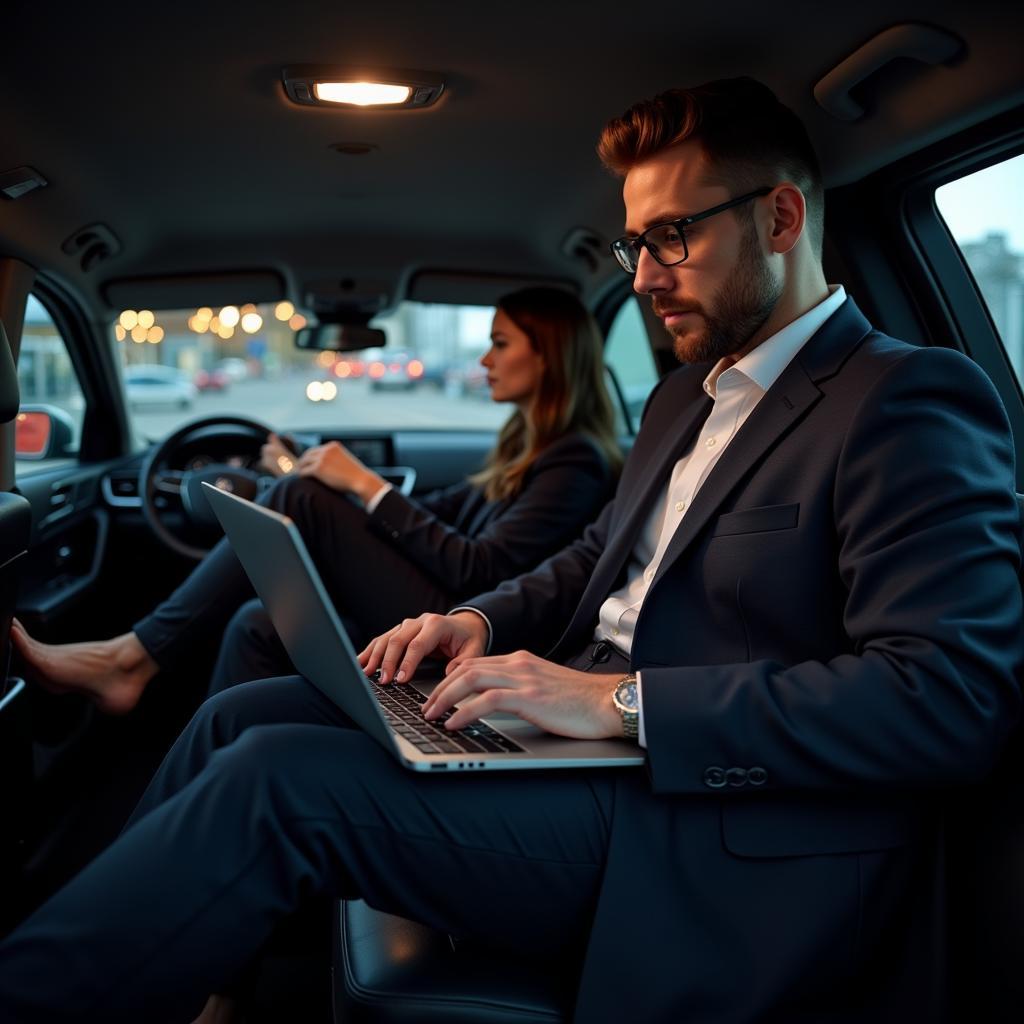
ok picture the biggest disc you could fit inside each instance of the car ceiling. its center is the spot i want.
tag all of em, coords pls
(170, 125)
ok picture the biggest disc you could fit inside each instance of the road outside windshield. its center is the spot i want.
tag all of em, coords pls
(241, 360)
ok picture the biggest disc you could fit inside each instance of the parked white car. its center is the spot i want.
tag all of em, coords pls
(147, 386)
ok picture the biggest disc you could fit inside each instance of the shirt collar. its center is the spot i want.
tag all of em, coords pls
(764, 364)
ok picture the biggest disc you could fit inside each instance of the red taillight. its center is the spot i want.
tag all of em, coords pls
(415, 368)
(376, 369)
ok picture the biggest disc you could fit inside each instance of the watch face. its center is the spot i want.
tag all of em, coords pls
(625, 696)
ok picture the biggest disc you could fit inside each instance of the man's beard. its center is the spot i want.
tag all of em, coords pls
(739, 309)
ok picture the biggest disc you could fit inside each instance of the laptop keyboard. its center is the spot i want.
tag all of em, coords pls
(402, 708)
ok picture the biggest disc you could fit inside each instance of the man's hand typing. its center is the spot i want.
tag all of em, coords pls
(557, 699)
(398, 652)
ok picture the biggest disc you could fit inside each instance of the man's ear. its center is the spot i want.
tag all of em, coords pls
(787, 212)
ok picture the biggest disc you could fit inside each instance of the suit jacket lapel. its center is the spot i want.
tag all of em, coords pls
(775, 414)
(652, 476)
(781, 408)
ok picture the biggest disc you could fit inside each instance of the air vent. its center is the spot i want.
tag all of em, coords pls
(121, 489)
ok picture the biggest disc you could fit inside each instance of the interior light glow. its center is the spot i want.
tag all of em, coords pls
(119, 332)
(146, 318)
(204, 312)
(362, 94)
(229, 316)
(225, 331)
(251, 322)
(128, 319)
(155, 335)
(215, 324)
(284, 311)
(138, 333)
(297, 322)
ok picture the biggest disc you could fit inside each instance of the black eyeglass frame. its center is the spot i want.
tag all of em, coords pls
(632, 245)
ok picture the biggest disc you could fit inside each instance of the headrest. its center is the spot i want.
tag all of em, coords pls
(9, 398)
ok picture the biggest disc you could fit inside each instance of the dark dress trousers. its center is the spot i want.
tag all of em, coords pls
(832, 639)
(406, 557)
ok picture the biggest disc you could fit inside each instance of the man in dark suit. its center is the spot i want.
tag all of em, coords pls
(802, 602)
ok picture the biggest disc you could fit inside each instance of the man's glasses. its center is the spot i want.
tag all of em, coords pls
(667, 242)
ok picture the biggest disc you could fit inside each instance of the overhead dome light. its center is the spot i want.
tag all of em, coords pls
(311, 85)
(362, 94)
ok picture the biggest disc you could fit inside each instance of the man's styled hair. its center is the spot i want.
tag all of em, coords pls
(750, 139)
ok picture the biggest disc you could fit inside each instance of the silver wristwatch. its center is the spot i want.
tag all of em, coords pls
(628, 705)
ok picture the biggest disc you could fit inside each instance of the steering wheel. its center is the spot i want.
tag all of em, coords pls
(187, 484)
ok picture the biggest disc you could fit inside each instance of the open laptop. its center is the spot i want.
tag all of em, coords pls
(273, 554)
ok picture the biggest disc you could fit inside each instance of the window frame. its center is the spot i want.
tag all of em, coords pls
(104, 432)
(889, 243)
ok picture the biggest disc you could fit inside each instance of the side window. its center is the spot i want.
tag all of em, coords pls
(48, 385)
(627, 353)
(984, 212)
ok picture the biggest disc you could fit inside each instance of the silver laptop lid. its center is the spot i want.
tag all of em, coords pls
(275, 558)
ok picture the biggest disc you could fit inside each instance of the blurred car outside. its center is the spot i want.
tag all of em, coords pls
(211, 380)
(235, 368)
(156, 385)
(395, 370)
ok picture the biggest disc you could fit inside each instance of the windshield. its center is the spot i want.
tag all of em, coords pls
(179, 365)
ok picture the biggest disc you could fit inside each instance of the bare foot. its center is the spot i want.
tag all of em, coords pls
(218, 1010)
(112, 672)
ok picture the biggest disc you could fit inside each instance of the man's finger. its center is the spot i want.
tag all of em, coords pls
(371, 655)
(480, 705)
(476, 677)
(397, 650)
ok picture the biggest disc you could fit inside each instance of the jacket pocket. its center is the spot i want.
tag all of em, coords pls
(757, 520)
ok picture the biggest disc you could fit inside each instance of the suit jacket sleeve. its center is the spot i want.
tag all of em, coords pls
(532, 610)
(926, 523)
(445, 503)
(563, 491)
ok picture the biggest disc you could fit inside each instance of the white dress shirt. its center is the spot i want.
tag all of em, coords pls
(735, 388)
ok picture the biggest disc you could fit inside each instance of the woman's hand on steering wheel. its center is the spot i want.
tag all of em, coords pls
(276, 457)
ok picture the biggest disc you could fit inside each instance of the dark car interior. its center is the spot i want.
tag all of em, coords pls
(173, 159)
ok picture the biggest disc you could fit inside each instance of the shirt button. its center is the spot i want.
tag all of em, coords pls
(709, 443)
(680, 505)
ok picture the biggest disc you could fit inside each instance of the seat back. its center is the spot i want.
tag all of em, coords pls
(986, 895)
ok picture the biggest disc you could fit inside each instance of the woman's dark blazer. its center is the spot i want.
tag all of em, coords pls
(468, 544)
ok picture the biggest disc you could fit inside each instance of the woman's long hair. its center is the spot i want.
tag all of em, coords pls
(571, 398)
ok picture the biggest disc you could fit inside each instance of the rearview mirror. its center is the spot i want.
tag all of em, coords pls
(340, 337)
(42, 432)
